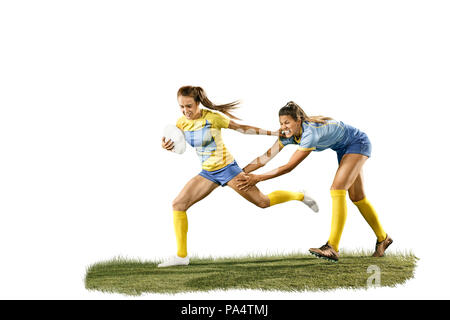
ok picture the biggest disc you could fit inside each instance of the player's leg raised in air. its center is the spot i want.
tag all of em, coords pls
(198, 188)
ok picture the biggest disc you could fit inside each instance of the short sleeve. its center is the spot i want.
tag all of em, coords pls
(218, 121)
(179, 123)
(308, 141)
(284, 141)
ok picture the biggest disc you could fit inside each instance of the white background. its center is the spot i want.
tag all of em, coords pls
(86, 88)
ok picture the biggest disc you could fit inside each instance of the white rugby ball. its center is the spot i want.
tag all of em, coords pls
(175, 134)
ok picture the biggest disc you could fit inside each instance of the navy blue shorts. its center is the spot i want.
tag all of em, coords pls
(358, 142)
(222, 176)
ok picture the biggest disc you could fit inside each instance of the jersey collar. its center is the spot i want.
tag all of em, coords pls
(297, 139)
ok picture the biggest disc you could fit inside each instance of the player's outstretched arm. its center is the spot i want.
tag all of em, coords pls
(245, 129)
(249, 180)
(262, 160)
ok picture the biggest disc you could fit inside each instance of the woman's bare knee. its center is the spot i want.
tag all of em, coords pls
(180, 205)
(355, 196)
(263, 203)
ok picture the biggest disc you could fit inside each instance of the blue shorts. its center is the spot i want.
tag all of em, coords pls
(222, 176)
(356, 142)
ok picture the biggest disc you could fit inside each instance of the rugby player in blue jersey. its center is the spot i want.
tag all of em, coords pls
(353, 148)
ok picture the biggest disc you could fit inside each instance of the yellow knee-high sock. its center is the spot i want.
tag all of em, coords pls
(281, 196)
(369, 213)
(339, 216)
(180, 223)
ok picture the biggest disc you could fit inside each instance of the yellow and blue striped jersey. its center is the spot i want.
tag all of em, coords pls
(204, 134)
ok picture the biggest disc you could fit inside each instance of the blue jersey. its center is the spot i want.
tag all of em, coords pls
(332, 134)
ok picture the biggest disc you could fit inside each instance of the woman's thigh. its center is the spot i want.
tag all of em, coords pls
(195, 190)
(349, 169)
(253, 194)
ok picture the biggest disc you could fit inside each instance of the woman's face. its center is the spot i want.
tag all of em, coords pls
(289, 126)
(189, 107)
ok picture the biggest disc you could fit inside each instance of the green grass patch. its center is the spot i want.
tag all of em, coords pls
(293, 272)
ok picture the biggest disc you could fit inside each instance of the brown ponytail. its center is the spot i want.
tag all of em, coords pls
(296, 112)
(199, 95)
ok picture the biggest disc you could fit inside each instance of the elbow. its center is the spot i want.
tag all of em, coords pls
(263, 160)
